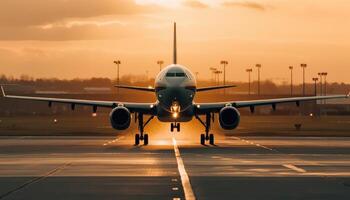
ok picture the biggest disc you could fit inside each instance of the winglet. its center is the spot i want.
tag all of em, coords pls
(3, 91)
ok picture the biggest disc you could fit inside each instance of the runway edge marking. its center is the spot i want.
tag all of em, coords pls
(185, 180)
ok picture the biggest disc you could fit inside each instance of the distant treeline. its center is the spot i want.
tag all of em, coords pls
(78, 85)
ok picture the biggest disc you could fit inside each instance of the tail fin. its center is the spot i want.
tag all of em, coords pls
(175, 47)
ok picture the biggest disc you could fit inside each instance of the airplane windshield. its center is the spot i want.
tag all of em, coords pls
(178, 74)
(181, 74)
(170, 74)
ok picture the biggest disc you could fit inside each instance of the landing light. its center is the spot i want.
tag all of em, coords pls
(175, 115)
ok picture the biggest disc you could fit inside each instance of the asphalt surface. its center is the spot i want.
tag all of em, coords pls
(34, 167)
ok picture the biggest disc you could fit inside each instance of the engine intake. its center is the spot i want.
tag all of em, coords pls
(229, 118)
(120, 118)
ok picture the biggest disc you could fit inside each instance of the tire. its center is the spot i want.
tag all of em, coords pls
(145, 139)
(178, 127)
(137, 139)
(172, 127)
(202, 139)
(211, 139)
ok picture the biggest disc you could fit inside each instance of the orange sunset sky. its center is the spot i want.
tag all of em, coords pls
(81, 38)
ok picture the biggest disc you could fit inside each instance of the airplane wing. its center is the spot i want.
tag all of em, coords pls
(147, 108)
(216, 107)
(214, 88)
(147, 89)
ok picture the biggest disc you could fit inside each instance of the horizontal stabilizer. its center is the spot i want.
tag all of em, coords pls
(147, 89)
(215, 87)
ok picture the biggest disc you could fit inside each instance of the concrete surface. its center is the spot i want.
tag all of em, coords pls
(62, 167)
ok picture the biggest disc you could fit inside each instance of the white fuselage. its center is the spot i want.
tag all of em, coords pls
(175, 89)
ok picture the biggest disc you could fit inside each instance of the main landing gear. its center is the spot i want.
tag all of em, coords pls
(175, 126)
(207, 124)
(142, 136)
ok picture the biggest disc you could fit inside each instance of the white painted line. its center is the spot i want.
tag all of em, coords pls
(256, 144)
(189, 195)
(295, 168)
(112, 141)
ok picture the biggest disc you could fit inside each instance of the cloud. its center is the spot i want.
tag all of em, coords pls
(38, 12)
(245, 4)
(194, 4)
(85, 30)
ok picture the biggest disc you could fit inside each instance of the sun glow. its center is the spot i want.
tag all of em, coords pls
(166, 3)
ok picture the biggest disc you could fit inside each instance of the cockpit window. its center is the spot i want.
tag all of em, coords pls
(177, 74)
(180, 74)
(170, 74)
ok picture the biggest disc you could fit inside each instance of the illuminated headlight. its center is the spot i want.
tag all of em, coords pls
(175, 115)
(175, 109)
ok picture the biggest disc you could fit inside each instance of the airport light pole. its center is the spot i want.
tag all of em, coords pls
(160, 63)
(249, 72)
(303, 66)
(224, 63)
(197, 73)
(315, 80)
(320, 75)
(325, 84)
(213, 70)
(291, 80)
(117, 62)
(258, 66)
(218, 76)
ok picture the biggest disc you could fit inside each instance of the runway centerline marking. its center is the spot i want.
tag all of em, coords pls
(295, 168)
(189, 195)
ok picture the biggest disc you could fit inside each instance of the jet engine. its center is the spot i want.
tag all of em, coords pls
(229, 118)
(120, 118)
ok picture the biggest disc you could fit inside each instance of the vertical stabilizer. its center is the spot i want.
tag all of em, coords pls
(175, 47)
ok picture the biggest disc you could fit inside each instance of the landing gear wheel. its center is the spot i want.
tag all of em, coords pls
(145, 139)
(202, 139)
(172, 127)
(211, 139)
(137, 139)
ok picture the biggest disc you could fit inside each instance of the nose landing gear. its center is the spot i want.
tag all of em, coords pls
(175, 126)
(207, 124)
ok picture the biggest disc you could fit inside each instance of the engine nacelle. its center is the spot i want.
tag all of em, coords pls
(229, 118)
(120, 118)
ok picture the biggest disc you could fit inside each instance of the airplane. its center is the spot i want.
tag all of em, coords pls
(175, 88)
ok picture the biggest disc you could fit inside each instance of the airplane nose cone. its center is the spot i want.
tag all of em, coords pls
(176, 94)
(175, 82)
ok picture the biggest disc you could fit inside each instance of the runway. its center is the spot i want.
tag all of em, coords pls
(111, 168)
